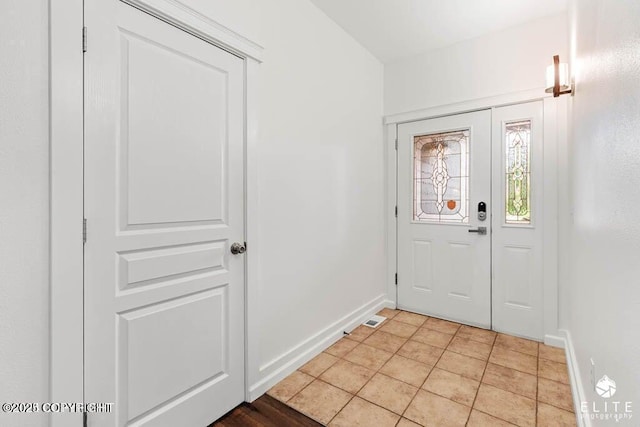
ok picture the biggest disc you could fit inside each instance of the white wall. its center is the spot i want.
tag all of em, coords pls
(321, 179)
(602, 303)
(24, 205)
(504, 62)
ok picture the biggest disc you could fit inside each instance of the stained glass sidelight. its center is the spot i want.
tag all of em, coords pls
(441, 177)
(518, 172)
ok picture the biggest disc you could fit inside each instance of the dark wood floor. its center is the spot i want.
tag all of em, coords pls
(264, 412)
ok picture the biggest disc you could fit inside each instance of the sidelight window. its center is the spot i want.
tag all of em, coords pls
(518, 172)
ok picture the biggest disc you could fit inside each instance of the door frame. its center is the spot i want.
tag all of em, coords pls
(555, 140)
(66, 133)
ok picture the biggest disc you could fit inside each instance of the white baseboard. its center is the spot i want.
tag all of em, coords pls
(555, 341)
(390, 304)
(575, 379)
(276, 370)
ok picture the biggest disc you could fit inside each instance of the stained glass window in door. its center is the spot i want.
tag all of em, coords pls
(518, 172)
(441, 177)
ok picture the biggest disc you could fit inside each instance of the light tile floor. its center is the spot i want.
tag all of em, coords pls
(416, 370)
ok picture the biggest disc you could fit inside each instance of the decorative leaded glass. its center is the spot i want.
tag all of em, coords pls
(518, 172)
(441, 177)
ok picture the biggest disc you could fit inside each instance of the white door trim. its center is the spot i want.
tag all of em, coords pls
(555, 137)
(391, 201)
(467, 106)
(66, 206)
(182, 16)
(66, 175)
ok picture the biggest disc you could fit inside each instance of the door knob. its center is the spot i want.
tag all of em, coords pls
(479, 230)
(238, 248)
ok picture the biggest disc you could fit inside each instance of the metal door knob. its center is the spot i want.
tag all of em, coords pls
(238, 248)
(479, 230)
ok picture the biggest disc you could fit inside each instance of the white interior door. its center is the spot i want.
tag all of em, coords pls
(164, 298)
(444, 173)
(518, 172)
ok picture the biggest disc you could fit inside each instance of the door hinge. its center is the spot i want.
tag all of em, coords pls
(396, 279)
(84, 39)
(84, 230)
(396, 144)
(396, 211)
(84, 419)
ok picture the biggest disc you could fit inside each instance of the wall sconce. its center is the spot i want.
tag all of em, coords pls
(558, 78)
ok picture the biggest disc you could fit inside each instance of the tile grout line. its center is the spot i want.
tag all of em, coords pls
(322, 381)
(304, 388)
(549, 403)
(430, 372)
(354, 395)
(484, 371)
(368, 401)
(374, 374)
(514, 349)
(493, 415)
(396, 354)
(399, 355)
(519, 352)
(518, 394)
(383, 365)
(432, 366)
(481, 382)
(339, 410)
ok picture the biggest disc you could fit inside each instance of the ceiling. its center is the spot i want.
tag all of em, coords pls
(392, 29)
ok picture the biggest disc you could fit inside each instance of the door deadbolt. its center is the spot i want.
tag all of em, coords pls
(238, 248)
(482, 211)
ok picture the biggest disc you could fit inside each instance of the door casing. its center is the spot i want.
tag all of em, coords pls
(555, 128)
(67, 199)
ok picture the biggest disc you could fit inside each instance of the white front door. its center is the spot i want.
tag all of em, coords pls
(444, 174)
(164, 168)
